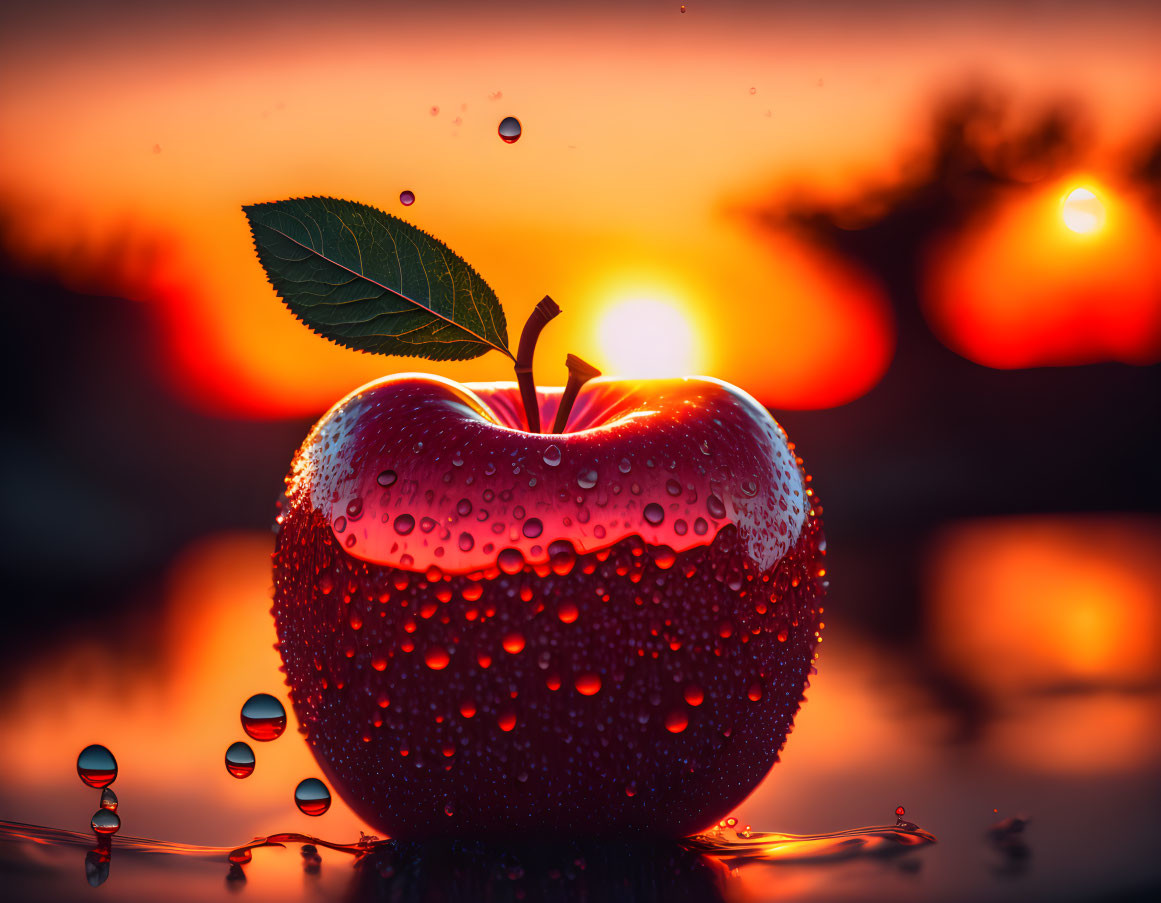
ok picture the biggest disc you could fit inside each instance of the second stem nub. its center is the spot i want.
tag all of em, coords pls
(579, 372)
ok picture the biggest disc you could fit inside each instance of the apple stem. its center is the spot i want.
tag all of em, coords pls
(544, 311)
(579, 373)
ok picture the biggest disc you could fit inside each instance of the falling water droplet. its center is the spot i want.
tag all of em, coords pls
(407, 197)
(654, 513)
(386, 477)
(105, 821)
(240, 760)
(551, 456)
(900, 811)
(263, 717)
(510, 129)
(109, 799)
(312, 797)
(96, 766)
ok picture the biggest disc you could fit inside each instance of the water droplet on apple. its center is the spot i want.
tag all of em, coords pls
(386, 477)
(625, 465)
(673, 487)
(105, 821)
(240, 760)
(654, 513)
(676, 721)
(340, 524)
(587, 478)
(714, 506)
(464, 507)
(406, 196)
(700, 526)
(506, 720)
(240, 856)
(588, 683)
(467, 542)
(510, 129)
(404, 524)
(436, 658)
(312, 797)
(96, 766)
(263, 717)
(551, 456)
(109, 799)
(510, 561)
(533, 527)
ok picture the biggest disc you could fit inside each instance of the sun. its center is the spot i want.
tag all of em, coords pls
(1082, 211)
(647, 337)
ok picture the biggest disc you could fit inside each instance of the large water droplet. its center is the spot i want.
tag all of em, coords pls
(105, 821)
(654, 513)
(513, 643)
(96, 766)
(109, 799)
(240, 760)
(386, 478)
(436, 658)
(312, 797)
(510, 129)
(263, 717)
(551, 456)
(406, 197)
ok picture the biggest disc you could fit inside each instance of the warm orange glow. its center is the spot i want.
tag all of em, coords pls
(1029, 603)
(644, 337)
(1045, 281)
(1082, 211)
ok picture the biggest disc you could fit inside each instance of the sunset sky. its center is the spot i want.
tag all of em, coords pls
(131, 134)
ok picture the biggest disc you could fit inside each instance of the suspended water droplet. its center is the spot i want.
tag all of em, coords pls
(109, 799)
(386, 477)
(588, 683)
(551, 456)
(404, 524)
(561, 557)
(676, 721)
(900, 811)
(263, 717)
(105, 821)
(510, 129)
(407, 196)
(436, 658)
(750, 487)
(96, 766)
(700, 526)
(312, 797)
(533, 527)
(654, 513)
(240, 760)
(587, 478)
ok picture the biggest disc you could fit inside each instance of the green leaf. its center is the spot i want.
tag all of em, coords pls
(368, 280)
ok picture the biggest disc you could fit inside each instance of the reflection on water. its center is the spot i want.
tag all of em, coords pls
(696, 869)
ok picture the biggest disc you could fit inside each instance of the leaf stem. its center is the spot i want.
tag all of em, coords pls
(544, 311)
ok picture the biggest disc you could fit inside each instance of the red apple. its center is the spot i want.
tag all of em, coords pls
(490, 630)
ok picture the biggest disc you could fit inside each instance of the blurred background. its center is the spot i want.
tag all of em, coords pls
(928, 237)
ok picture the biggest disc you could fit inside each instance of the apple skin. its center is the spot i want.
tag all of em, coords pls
(487, 631)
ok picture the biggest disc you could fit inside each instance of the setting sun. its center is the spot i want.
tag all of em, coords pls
(643, 337)
(1082, 211)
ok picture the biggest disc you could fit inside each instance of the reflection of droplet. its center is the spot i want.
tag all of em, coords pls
(109, 799)
(106, 821)
(96, 766)
(510, 129)
(263, 717)
(240, 760)
(312, 797)
(551, 456)
(407, 197)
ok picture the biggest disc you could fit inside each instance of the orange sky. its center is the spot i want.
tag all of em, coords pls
(645, 132)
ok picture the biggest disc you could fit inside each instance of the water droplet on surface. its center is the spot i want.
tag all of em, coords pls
(900, 811)
(96, 766)
(386, 477)
(654, 513)
(750, 488)
(551, 456)
(510, 129)
(312, 797)
(625, 466)
(673, 487)
(676, 721)
(714, 506)
(533, 527)
(588, 684)
(263, 717)
(240, 760)
(436, 658)
(407, 197)
(467, 542)
(510, 561)
(109, 799)
(587, 478)
(404, 524)
(105, 821)
(464, 507)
